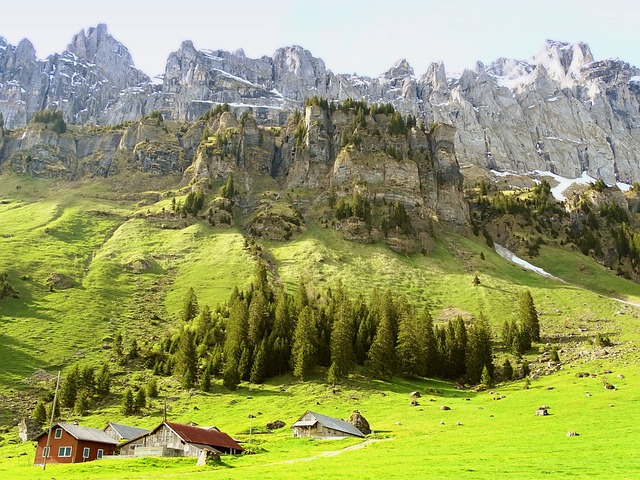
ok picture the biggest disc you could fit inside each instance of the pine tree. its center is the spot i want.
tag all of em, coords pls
(456, 346)
(429, 351)
(117, 346)
(244, 365)
(280, 338)
(39, 414)
(186, 358)
(236, 333)
(103, 381)
(152, 388)
(342, 339)
(140, 401)
(81, 405)
(69, 388)
(529, 315)
(128, 403)
(230, 375)
(507, 370)
(259, 367)
(382, 354)
(56, 414)
(479, 353)
(205, 379)
(411, 341)
(203, 324)
(485, 378)
(365, 336)
(258, 321)
(189, 306)
(303, 350)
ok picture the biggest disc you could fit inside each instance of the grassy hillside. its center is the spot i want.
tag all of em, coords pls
(123, 264)
(494, 438)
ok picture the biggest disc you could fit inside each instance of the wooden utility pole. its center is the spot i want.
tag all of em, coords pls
(45, 452)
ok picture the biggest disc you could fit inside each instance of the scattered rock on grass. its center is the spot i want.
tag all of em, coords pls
(275, 425)
(445, 407)
(572, 434)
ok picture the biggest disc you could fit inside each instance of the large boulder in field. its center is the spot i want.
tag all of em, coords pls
(357, 420)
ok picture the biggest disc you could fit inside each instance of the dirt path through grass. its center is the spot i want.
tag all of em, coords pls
(331, 453)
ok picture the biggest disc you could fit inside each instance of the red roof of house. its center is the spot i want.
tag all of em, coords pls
(201, 436)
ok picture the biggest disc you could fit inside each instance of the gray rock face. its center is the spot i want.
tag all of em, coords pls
(560, 110)
(82, 82)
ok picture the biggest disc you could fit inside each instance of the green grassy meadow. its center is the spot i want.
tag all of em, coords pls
(128, 270)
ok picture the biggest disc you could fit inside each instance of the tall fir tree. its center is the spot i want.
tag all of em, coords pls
(189, 306)
(128, 403)
(39, 414)
(81, 405)
(186, 361)
(281, 334)
(303, 350)
(429, 351)
(479, 353)
(411, 341)
(529, 315)
(140, 401)
(234, 344)
(205, 379)
(103, 380)
(382, 354)
(70, 387)
(258, 321)
(260, 360)
(342, 340)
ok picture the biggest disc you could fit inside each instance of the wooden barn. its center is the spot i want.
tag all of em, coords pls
(123, 432)
(72, 443)
(176, 440)
(316, 425)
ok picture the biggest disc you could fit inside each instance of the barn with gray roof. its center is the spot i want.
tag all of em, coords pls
(316, 425)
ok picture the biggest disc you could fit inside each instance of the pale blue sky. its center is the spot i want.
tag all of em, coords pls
(360, 36)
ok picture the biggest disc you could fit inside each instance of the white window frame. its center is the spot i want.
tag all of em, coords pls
(86, 451)
(45, 452)
(100, 453)
(62, 452)
(58, 433)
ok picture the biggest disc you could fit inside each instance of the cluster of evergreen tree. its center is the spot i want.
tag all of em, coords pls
(355, 205)
(627, 243)
(397, 125)
(53, 118)
(517, 336)
(396, 217)
(265, 332)
(194, 202)
(82, 385)
(217, 110)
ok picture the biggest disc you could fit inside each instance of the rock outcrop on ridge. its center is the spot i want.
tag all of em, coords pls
(560, 111)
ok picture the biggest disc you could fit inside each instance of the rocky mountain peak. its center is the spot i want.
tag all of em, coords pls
(563, 60)
(402, 68)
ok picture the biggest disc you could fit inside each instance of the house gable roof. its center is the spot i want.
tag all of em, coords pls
(84, 433)
(212, 438)
(127, 432)
(329, 422)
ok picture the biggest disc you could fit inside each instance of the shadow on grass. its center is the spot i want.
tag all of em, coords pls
(15, 361)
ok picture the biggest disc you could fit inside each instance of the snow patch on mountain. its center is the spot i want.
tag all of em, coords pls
(509, 255)
(565, 183)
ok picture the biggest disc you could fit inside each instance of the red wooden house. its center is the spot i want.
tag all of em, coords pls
(73, 444)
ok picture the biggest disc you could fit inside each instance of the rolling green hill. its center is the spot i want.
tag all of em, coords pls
(92, 259)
